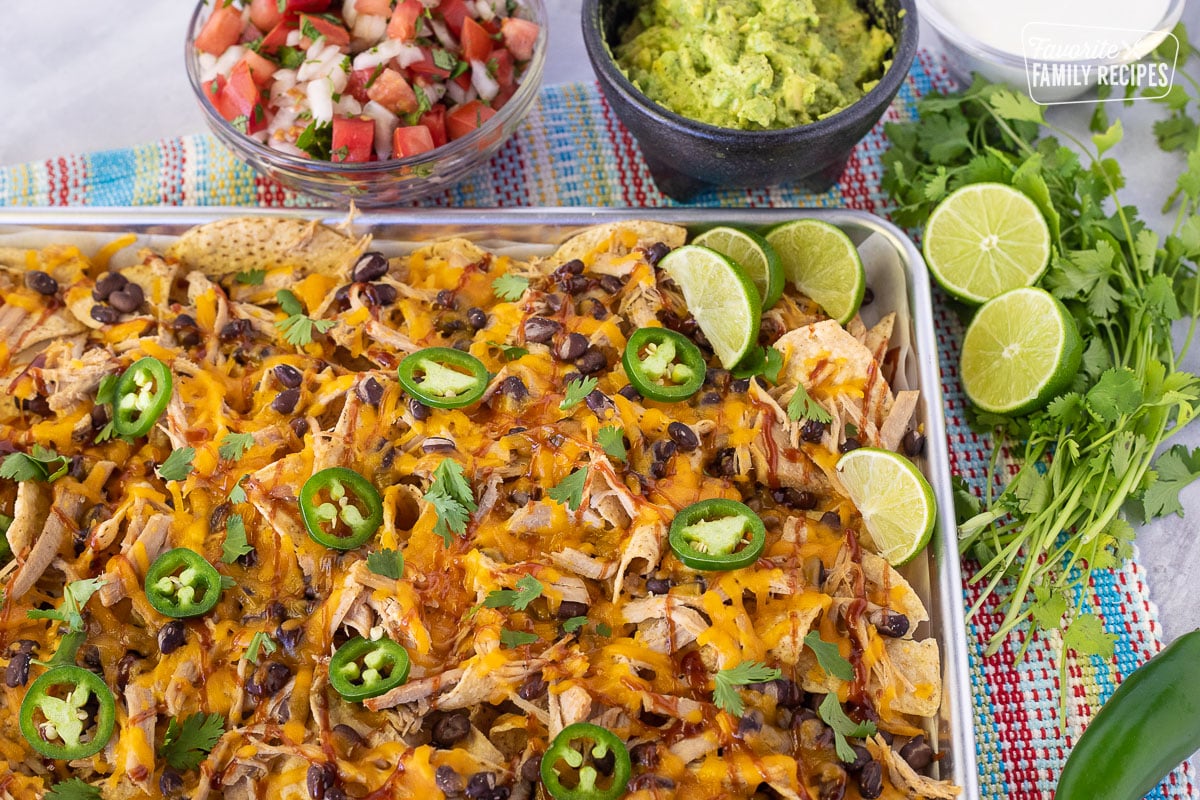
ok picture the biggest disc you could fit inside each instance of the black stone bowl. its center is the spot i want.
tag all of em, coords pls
(687, 157)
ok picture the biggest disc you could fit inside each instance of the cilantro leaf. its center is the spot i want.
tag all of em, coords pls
(185, 745)
(764, 361)
(388, 563)
(260, 641)
(1086, 636)
(510, 638)
(574, 623)
(238, 493)
(828, 657)
(235, 545)
(298, 327)
(450, 495)
(576, 391)
(831, 712)
(612, 439)
(603, 629)
(1018, 106)
(1048, 607)
(1173, 470)
(726, 681)
(40, 464)
(75, 597)
(528, 589)
(178, 464)
(73, 789)
(510, 287)
(234, 445)
(252, 277)
(801, 406)
(510, 352)
(570, 489)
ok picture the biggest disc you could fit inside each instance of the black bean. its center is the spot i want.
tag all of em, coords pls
(541, 330)
(890, 623)
(710, 399)
(740, 386)
(630, 393)
(683, 436)
(531, 770)
(288, 376)
(850, 444)
(370, 391)
(592, 361)
(862, 757)
(599, 403)
(285, 402)
(171, 637)
(335, 793)
(35, 405)
(105, 314)
(788, 693)
(380, 294)
(751, 722)
(127, 300)
(170, 782)
(234, 329)
(598, 310)
(341, 297)
(447, 779)
(917, 752)
(812, 431)
(572, 608)
(299, 426)
(574, 284)
(870, 780)
(514, 387)
(610, 283)
(534, 687)
(41, 282)
(437, 444)
(868, 298)
(419, 410)
(91, 659)
(799, 499)
(572, 267)
(349, 735)
(724, 463)
(451, 728)
(830, 519)
(320, 778)
(17, 672)
(572, 346)
(648, 781)
(108, 283)
(445, 299)
(913, 443)
(658, 585)
(645, 754)
(276, 677)
(289, 635)
(717, 378)
(370, 266)
(655, 252)
(476, 318)
(652, 719)
(186, 332)
(663, 449)
(482, 786)
(658, 470)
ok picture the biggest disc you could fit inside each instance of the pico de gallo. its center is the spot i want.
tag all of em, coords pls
(362, 80)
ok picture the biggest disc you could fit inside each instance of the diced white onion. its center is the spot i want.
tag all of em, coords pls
(320, 63)
(443, 34)
(405, 54)
(208, 67)
(459, 95)
(226, 60)
(369, 27)
(349, 12)
(484, 83)
(347, 106)
(435, 92)
(385, 126)
(294, 37)
(320, 99)
(285, 79)
(287, 147)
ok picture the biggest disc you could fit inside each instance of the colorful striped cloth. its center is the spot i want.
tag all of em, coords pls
(572, 151)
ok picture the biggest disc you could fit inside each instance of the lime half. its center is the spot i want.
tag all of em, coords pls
(1021, 349)
(721, 297)
(894, 499)
(985, 239)
(752, 253)
(821, 261)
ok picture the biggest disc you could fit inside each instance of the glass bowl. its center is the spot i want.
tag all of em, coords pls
(378, 183)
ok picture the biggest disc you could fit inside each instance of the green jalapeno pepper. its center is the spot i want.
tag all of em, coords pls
(1149, 725)
(180, 584)
(663, 365)
(142, 394)
(365, 668)
(443, 377)
(340, 508)
(712, 535)
(54, 716)
(570, 766)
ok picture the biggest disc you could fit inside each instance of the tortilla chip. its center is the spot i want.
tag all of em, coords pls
(898, 593)
(612, 240)
(916, 677)
(249, 243)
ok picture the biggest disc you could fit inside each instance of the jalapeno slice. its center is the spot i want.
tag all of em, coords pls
(55, 718)
(443, 377)
(576, 766)
(365, 668)
(340, 508)
(142, 394)
(663, 365)
(717, 535)
(180, 584)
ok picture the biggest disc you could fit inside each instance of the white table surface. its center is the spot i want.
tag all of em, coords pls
(81, 75)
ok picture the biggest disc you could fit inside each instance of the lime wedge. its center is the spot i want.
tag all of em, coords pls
(752, 253)
(821, 261)
(894, 499)
(1021, 349)
(985, 239)
(721, 297)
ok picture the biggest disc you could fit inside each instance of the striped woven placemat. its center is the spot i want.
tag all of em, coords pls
(572, 151)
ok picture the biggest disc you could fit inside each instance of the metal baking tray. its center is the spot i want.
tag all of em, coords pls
(936, 575)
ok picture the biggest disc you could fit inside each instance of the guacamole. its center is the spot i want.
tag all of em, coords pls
(753, 64)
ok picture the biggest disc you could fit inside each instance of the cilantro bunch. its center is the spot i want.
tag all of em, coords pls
(1088, 460)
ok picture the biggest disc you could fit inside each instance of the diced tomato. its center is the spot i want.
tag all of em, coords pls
(261, 69)
(500, 64)
(427, 66)
(277, 36)
(332, 33)
(476, 44)
(356, 83)
(377, 8)
(520, 35)
(435, 120)
(463, 80)
(353, 139)
(221, 30)
(403, 24)
(466, 118)
(392, 92)
(409, 140)
(241, 97)
(453, 12)
(265, 14)
(306, 6)
(213, 89)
